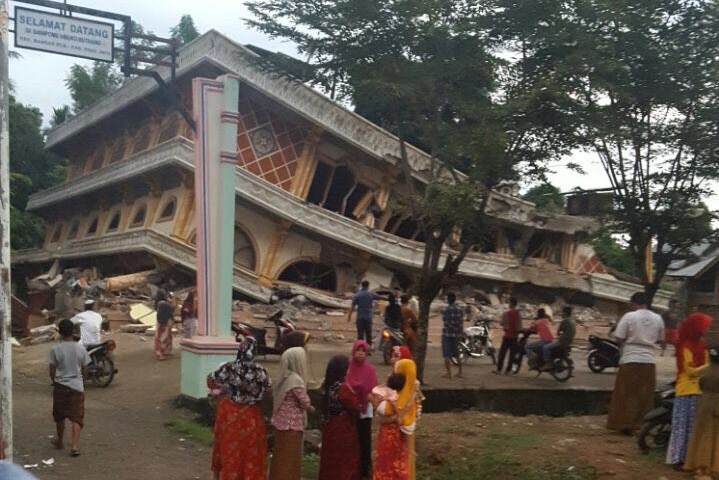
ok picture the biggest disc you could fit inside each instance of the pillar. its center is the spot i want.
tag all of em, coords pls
(215, 106)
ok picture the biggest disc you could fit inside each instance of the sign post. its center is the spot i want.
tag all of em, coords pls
(5, 317)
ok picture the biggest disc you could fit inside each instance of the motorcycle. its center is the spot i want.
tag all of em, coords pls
(476, 342)
(561, 368)
(391, 337)
(283, 326)
(102, 369)
(603, 353)
(657, 424)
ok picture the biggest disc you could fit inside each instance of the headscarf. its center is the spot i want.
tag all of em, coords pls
(361, 376)
(407, 397)
(293, 365)
(334, 376)
(245, 381)
(691, 336)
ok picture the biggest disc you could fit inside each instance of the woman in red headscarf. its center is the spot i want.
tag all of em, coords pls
(692, 359)
(362, 378)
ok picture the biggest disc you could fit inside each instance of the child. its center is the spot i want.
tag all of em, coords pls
(391, 461)
(703, 453)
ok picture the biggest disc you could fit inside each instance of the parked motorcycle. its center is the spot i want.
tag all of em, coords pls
(391, 337)
(102, 369)
(476, 342)
(657, 425)
(283, 326)
(562, 366)
(603, 353)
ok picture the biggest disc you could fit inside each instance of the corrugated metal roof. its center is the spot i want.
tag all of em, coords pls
(696, 268)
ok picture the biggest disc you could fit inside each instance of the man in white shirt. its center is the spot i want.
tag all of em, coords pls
(90, 323)
(638, 333)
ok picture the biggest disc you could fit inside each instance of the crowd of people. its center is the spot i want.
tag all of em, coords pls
(694, 440)
(352, 398)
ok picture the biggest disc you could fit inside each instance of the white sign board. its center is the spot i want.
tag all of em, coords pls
(62, 34)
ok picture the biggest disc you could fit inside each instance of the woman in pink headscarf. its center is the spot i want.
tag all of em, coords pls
(362, 377)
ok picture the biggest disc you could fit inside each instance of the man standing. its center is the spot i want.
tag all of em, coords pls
(671, 323)
(637, 333)
(512, 325)
(364, 302)
(566, 332)
(452, 317)
(68, 362)
(90, 323)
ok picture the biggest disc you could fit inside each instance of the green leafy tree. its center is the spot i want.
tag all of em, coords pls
(613, 254)
(637, 82)
(185, 31)
(59, 115)
(546, 197)
(89, 84)
(426, 71)
(32, 168)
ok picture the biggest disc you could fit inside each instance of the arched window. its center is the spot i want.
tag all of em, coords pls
(56, 233)
(311, 274)
(139, 218)
(72, 234)
(114, 222)
(168, 211)
(244, 249)
(92, 229)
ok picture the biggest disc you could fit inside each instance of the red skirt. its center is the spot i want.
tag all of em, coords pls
(392, 459)
(240, 449)
(339, 457)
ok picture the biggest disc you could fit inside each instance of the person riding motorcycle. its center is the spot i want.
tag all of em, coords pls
(565, 333)
(540, 325)
(90, 324)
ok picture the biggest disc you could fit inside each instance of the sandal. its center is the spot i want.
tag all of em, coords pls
(56, 443)
(74, 453)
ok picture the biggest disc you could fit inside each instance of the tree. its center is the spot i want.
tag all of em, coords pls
(546, 197)
(638, 83)
(425, 71)
(32, 168)
(59, 115)
(89, 84)
(185, 31)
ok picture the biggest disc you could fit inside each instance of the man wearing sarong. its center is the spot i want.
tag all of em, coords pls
(68, 361)
(637, 332)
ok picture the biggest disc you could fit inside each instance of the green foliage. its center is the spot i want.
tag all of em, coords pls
(32, 168)
(185, 31)
(89, 84)
(546, 197)
(502, 455)
(59, 115)
(614, 255)
(192, 430)
(636, 83)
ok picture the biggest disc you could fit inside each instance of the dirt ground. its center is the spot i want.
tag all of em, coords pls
(126, 437)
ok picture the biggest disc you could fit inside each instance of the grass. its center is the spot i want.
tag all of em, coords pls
(191, 430)
(310, 465)
(501, 455)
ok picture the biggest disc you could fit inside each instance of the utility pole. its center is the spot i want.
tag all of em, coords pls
(5, 300)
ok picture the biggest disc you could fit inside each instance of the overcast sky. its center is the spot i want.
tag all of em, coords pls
(39, 77)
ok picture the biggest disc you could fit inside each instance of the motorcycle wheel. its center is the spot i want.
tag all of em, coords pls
(464, 353)
(596, 362)
(104, 371)
(654, 434)
(491, 351)
(562, 370)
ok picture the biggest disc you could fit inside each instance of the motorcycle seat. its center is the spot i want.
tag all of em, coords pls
(95, 345)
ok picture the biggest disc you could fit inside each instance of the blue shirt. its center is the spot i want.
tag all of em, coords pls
(364, 301)
(452, 318)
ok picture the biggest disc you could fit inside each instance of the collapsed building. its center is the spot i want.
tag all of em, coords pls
(317, 197)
